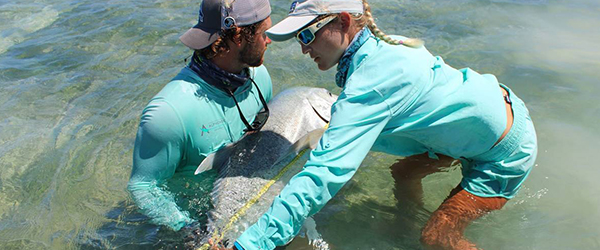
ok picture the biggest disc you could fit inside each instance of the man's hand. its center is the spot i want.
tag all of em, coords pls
(218, 246)
(192, 234)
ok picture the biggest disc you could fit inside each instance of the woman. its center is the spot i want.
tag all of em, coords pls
(399, 99)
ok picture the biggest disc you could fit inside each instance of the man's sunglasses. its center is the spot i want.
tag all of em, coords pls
(307, 35)
(261, 117)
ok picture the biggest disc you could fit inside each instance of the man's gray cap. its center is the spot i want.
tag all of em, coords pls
(217, 15)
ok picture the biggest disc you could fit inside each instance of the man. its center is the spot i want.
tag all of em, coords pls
(211, 103)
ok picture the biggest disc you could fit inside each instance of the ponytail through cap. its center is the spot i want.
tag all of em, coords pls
(370, 22)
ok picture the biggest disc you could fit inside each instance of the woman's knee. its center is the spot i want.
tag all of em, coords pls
(445, 228)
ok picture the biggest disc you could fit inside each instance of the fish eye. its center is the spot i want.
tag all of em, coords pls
(330, 94)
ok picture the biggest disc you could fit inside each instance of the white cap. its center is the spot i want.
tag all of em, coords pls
(305, 11)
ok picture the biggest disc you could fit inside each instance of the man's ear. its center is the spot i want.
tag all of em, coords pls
(238, 39)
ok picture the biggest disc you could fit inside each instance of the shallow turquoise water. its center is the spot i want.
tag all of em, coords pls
(75, 75)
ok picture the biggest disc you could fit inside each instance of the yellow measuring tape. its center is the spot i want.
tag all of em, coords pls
(218, 237)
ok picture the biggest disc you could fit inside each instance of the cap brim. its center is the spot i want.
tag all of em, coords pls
(288, 27)
(198, 39)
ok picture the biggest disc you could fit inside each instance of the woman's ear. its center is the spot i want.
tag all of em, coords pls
(345, 21)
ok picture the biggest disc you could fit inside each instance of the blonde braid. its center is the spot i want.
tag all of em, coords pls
(370, 22)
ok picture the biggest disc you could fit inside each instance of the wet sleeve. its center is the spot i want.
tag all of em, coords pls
(158, 149)
(356, 123)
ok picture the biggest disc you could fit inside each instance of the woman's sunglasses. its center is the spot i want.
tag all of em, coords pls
(307, 35)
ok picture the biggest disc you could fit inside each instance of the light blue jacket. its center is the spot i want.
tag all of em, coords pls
(397, 100)
(187, 120)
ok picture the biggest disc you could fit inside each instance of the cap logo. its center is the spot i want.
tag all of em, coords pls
(293, 6)
(228, 21)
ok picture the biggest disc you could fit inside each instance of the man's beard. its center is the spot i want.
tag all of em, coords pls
(252, 58)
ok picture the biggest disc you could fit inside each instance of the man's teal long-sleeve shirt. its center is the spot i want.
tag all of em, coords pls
(187, 120)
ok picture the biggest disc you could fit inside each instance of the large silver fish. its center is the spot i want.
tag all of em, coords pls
(254, 170)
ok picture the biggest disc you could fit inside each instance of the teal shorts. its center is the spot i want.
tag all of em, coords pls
(500, 171)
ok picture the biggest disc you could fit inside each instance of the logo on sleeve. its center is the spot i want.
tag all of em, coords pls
(212, 127)
(204, 129)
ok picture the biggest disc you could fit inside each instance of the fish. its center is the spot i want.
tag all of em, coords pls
(253, 170)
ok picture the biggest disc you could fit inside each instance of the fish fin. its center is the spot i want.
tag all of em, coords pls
(206, 164)
(315, 137)
(309, 140)
(214, 160)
